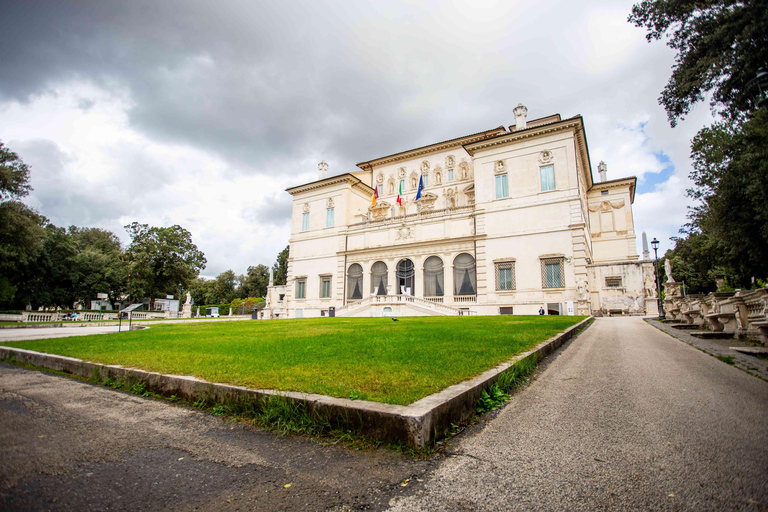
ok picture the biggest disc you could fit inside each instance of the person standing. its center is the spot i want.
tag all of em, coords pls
(541, 311)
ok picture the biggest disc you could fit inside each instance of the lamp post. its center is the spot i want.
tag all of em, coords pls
(655, 245)
(761, 82)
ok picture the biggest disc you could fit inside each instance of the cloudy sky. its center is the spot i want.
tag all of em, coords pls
(201, 113)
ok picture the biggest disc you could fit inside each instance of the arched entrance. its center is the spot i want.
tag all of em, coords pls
(379, 274)
(355, 282)
(405, 277)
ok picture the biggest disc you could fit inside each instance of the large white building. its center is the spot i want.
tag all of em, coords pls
(509, 221)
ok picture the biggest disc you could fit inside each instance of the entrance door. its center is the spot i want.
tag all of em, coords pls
(405, 277)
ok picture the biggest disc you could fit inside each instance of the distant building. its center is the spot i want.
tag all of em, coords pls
(508, 221)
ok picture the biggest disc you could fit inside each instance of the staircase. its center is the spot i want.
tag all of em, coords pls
(406, 305)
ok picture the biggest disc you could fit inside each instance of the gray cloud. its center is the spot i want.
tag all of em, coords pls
(275, 211)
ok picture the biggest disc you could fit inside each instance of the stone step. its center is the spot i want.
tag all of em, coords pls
(685, 327)
(710, 335)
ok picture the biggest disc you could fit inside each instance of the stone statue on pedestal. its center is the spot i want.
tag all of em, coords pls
(668, 271)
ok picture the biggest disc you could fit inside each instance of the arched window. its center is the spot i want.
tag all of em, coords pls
(355, 282)
(405, 277)
(379, 278)
(464, 279)
(433, 277)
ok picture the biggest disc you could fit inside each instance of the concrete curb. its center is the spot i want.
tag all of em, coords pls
(417, 425)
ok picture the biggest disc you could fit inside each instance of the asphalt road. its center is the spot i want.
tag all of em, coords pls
(70, 445)
(625, 418)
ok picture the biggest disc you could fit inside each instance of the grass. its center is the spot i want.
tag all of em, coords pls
(362, 358)
(727, 359)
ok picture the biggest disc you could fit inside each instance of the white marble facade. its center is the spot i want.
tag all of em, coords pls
(509, 221)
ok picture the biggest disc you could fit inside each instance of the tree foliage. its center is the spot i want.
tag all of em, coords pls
(720, 45)
(731, 180)
(256, 281)
(14, 175)
(21, 228)
(280, 268)
(160, 259)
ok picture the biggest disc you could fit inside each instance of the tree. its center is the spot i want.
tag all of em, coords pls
(48, 280)
(731, 181)
(256, 281)
(280, 268)
(14, 175)
(98, 265)
(225, 287)
(21, 227)
(161, 258)
(720, 45)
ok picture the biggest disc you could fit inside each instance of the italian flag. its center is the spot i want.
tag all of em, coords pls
(400, 194)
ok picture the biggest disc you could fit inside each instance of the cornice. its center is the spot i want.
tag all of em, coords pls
(432, 148)
(328, 182)
(510, 138)
(630, 181)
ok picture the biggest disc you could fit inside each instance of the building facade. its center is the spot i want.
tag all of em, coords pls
(507, 221)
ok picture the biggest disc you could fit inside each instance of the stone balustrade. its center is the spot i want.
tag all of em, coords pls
(741, 313)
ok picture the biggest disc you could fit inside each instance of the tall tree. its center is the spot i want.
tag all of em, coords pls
(256, 281)
(98, 266)
(720, 45)
(280, 268)
(161, 258)
(225, 286)
(21, 228)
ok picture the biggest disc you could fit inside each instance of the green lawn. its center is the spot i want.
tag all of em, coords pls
(368, 358)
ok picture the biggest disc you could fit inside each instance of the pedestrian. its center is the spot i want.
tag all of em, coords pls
(541, 311)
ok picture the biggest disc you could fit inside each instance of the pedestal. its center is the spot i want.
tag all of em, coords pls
(671, 300)
(652, 307)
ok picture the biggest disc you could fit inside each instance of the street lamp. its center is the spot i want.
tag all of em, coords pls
(655, 245)
(761, 81)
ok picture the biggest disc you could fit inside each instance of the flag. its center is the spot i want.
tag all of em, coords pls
(421, 187)
(400, 194)
(375, 196)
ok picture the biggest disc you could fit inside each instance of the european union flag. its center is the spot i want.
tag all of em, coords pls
(421, 187)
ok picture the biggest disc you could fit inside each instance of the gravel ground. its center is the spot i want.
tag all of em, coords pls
(623, 418)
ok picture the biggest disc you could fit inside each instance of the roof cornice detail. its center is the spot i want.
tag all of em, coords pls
(432, 148)
(341, 179)
(509, 138)
(630, 181)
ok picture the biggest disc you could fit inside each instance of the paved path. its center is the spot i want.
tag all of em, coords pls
(757, 366)
(624, 418)
(70, 445)
(36, 333)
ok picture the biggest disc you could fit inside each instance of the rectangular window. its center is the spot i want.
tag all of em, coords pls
(450, 174)
(301, 289)
(402, 187)
(329, 218)
(613, 282)
(380, 189)
(507, 310)
(505, 275)
(305, 222)
(552, 273)
(325, 287)
(547, 178)
(501, 186)
(425, 180)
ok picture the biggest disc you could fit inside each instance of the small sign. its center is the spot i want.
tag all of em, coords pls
(569, 308)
